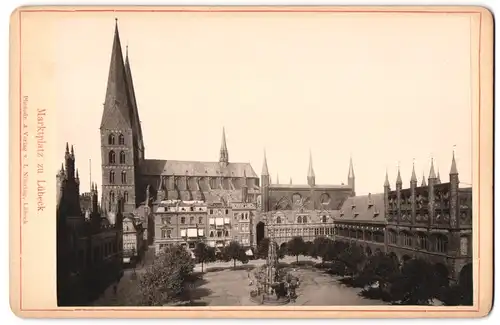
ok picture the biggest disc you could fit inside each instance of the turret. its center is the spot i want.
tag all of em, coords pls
(244, 188)
(399, 187)
(351, 178)
(264, 177)
(454, 202)
(432, 183)
(413, 189)
(311, 177)
(387, 189)
(424, 183)
(60, 183)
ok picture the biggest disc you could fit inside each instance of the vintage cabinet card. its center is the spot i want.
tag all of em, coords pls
(251, 162)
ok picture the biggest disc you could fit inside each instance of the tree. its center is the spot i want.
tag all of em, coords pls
(263, 248)
(353, 256)
(235, 252)
(204, 254)
(320, 248)
(296, 246)
(164, 280)
(380, 268)
(416, 284)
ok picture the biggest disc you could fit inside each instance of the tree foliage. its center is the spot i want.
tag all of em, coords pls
(164, 280)
(204, 254)
(296, 246)
(235, 252)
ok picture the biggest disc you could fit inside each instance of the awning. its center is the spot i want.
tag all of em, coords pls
(201, 232)
(227, 221)
(249, 252)
(183, 232)
(219, 221)
(212, 221)
(192, 232)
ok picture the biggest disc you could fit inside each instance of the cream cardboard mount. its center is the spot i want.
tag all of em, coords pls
(119, 177)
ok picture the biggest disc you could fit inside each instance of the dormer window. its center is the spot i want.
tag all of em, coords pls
(356, 213)
(376, 213)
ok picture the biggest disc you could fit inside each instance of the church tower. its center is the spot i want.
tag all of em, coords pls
(122, 148)
(224, 154)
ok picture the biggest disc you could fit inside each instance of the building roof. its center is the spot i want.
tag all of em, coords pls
(306, 186)
(196, 168)
(362, 208)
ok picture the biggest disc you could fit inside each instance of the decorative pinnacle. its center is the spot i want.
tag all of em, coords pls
(399, 180)
(453, 169)
(413, 175)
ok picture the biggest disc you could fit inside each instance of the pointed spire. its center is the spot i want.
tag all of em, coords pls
(277, 178)
(387, 183)
(453, 169)
(67, 148)
(398, 179)
(265, 171)
(413, 175)
(424, 183)
(117, 112)
(72, 150)
(438, 177)
(224, 155)
(351, 169)
(310, 173)
(432, 173)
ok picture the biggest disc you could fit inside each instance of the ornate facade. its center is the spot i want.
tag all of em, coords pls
(89, 246)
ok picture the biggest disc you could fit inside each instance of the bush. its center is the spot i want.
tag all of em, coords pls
(376, 293)
(337, 268)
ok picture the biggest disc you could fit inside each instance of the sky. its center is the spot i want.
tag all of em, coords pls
(383, 89)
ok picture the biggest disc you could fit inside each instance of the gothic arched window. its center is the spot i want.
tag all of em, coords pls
(278, 220)
(112, 157)
(299, 219)
(121, 139)
(111, 139)
(125, 196)
(122, 157)
(111, 198)
(124, 177)
(324, 219)
(112, 177)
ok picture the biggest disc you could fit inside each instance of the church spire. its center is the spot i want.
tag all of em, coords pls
(265, 171)
(116, 105)
(224, 155)
(277, 178)
(424, 183)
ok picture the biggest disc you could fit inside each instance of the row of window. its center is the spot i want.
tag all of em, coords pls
(303, 219)
(112, 139)
(112, 157)
(112, 177)
(168, 220)
(434, 243)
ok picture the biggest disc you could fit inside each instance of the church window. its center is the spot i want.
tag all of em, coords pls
(299, 219)
(112, 177)
(112, 157)
(324, 219)
(111, 139)
(125, 196)
(278, 220)
(122, 157)
(422, 241)
(121, 139)
(124, 177)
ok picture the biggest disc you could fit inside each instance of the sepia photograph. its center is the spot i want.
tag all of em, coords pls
(254, 158)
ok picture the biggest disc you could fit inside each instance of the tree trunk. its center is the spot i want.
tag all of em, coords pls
(201, 266)
(234, 261)
(297, 258)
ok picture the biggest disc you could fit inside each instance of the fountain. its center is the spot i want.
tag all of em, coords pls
(270, 289)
